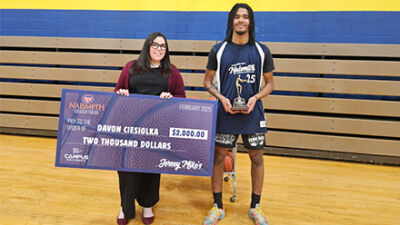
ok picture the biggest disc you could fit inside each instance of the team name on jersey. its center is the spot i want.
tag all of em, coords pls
(239, 68)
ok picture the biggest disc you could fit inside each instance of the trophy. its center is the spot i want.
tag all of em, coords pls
(239, 103)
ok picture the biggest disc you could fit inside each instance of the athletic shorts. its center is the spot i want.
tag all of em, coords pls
(250, 141)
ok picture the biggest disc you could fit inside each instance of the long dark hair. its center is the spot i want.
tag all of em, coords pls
(142, 64)
(232, 14)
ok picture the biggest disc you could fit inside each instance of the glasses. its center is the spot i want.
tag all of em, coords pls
(155, 45)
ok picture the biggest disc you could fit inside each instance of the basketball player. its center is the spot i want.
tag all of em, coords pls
(240, 55)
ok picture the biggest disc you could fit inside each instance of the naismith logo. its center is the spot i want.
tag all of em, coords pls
(87, 99)
(86, 104)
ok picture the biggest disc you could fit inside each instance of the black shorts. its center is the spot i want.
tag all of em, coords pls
(250, 141)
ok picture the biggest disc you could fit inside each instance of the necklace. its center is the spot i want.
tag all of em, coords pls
(154, 65)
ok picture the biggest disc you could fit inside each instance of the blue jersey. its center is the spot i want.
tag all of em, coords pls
(247, 63)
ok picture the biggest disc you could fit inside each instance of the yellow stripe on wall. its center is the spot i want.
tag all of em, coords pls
(205, 5)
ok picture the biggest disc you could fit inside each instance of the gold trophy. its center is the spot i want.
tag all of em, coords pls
(239, 103)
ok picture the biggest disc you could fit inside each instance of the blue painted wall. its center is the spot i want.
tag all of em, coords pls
(381, 27)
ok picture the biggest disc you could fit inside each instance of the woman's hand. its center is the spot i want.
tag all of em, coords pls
(166, 95)
(123, 92)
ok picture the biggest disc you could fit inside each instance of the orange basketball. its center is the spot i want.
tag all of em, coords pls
(228, 162)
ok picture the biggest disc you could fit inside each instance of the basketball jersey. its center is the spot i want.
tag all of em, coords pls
(246, 62)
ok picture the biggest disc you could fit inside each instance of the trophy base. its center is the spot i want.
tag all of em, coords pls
(239, 104)
(239, 108)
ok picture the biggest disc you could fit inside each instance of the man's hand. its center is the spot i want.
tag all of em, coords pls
(227, 105)
(250, 104)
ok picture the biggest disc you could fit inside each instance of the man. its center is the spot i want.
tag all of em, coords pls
(239, 55)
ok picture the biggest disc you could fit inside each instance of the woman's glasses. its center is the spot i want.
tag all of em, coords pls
(155, 45)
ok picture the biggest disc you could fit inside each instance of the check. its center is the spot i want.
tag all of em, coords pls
(141, 133)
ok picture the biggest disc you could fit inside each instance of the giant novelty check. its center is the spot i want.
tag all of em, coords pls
(141, 133)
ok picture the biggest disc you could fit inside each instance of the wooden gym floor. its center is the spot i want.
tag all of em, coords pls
(296, 191)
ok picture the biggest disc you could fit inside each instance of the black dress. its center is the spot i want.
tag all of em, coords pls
(144, 187)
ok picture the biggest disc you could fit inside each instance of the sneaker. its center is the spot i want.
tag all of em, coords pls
(214, 215)
(258, 215)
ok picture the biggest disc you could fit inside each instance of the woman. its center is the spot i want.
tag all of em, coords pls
(151, 74)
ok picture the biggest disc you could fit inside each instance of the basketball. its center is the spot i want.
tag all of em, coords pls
(228, 162)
